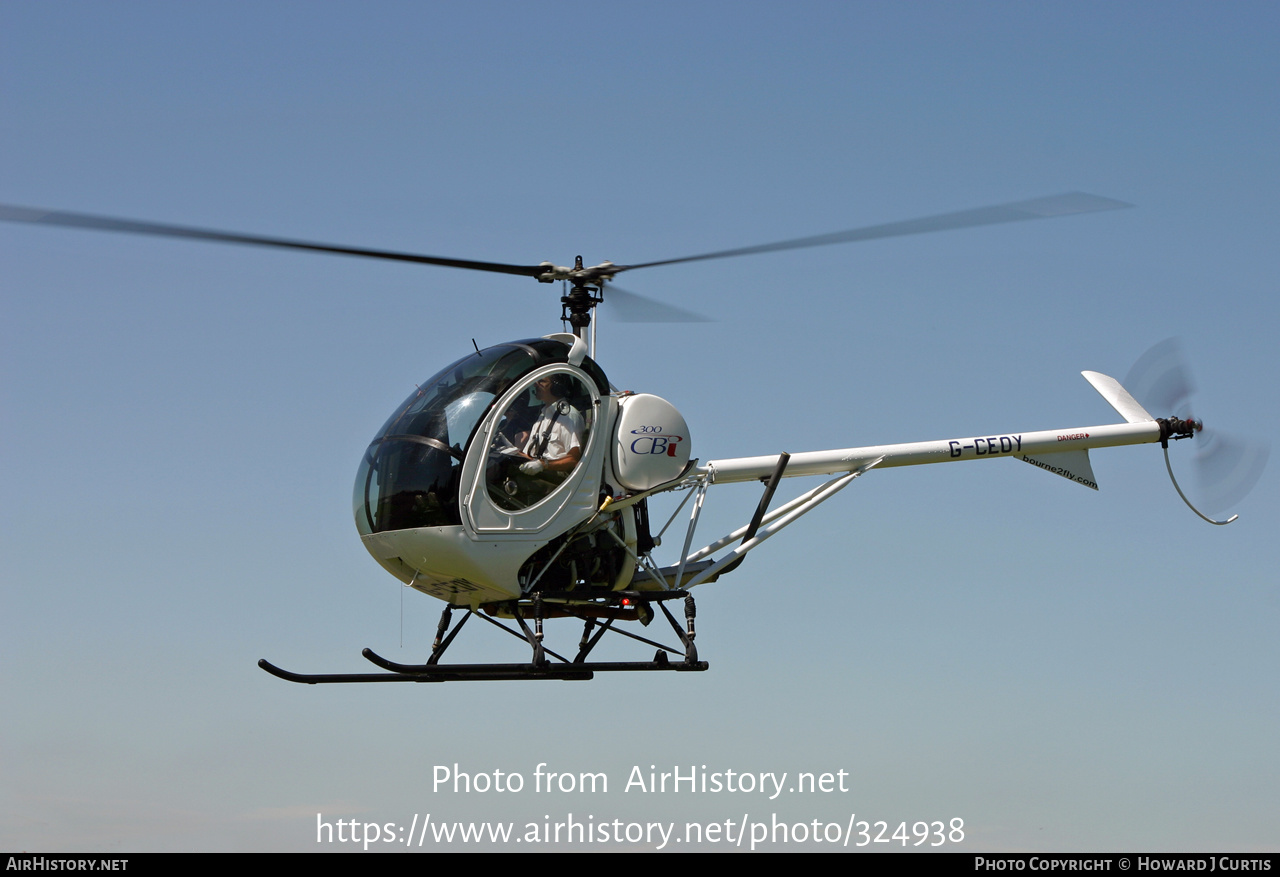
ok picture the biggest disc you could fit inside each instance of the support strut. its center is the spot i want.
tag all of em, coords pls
(545, 663)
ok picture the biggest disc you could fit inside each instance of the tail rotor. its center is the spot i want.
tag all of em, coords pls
(1227, 466)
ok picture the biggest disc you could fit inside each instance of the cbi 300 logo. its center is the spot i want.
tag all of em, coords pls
(652, 440)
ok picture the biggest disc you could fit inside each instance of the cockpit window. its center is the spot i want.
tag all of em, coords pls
(539, 441)
(409, 475)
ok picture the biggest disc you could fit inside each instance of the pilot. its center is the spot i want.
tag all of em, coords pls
(554, 444)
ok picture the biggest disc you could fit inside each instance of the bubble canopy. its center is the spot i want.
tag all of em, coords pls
(411, 471)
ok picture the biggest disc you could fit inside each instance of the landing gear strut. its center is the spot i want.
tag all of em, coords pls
(598, 616)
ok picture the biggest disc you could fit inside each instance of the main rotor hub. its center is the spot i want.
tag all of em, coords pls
(584, 295)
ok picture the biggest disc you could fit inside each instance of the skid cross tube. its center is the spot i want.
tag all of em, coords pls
(539, 667)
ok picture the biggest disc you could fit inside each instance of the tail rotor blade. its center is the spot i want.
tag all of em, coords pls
(1228, 467)
(1161, 380)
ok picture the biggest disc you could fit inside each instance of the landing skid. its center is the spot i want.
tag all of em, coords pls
(541, 666)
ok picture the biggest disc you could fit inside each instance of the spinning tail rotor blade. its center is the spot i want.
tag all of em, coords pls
(1161, 380)
(1227, 466)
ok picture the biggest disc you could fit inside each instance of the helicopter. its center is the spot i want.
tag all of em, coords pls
(514, 484)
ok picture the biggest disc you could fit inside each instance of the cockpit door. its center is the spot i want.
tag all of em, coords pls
(536, 461)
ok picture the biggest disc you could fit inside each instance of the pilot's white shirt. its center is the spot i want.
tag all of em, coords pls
(566, 431)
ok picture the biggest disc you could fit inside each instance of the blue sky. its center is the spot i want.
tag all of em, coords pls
(181, 422)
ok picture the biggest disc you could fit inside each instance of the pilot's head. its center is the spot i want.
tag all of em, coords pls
(552, 387)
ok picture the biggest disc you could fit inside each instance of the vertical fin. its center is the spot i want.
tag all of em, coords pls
(1118, 397)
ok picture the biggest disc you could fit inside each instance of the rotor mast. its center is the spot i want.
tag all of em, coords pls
(583, 296)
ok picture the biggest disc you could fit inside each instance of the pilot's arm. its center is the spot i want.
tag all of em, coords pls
(564, 464)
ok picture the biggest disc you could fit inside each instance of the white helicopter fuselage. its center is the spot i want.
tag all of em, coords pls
(445, 504)
(453, 456)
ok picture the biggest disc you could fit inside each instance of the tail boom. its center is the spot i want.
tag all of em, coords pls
(1013, 444)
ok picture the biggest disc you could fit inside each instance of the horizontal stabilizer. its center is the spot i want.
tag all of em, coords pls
(1118, 397)
(1071, 465)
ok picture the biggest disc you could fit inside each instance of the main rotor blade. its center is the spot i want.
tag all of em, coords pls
(1037, 208)
(631, 307)
(12, 213)
(1017, 211)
